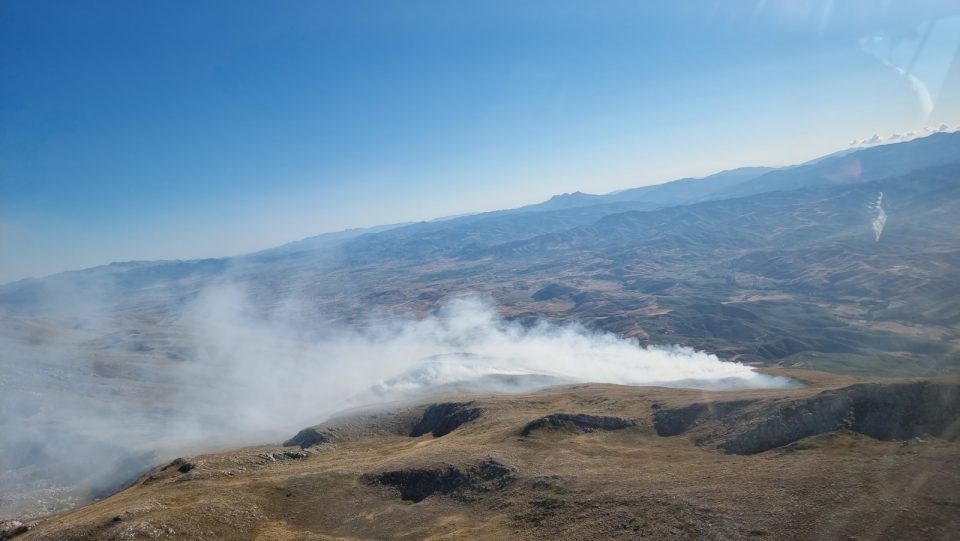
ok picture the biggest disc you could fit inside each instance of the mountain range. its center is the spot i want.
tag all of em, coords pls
(848, 264)
(758, 264)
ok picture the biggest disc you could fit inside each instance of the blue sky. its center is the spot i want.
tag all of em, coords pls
(148, 130)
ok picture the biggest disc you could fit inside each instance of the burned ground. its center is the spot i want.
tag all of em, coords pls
(578, 422)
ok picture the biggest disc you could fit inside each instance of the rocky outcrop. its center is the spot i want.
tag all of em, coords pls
(417, 484)
(358, 424)
(179, 464)
(12, 528)
(577, 421)
(882, 411)
(677, 421)
(441, 419)
(308, 437)
(281, 456)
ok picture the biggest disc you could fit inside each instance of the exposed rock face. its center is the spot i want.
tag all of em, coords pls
(441, 419)
(281, 456)
(579, 421)
(677, 421)
(180, 464)
(11, 528)
(417, 484)
(882, 411)
(308, 437)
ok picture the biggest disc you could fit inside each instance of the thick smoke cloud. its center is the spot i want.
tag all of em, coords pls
(92, 407)
(260, 366)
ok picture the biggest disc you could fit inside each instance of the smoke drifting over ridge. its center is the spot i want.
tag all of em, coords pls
(93, 413)
(259, 364)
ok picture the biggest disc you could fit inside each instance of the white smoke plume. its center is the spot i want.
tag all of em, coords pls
(269, 363)
(91, 414)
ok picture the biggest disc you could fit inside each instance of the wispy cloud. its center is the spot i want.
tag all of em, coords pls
(898, 137)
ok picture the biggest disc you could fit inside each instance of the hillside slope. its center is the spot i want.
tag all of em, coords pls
(573, 462)
(796, 278)
(797, 275)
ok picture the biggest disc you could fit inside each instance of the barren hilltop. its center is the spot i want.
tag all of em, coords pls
(838, 458)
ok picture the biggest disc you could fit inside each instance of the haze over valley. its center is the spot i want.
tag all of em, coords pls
(316, 271)
(123, 365)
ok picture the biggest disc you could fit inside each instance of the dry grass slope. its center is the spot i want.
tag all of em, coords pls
(369, 478)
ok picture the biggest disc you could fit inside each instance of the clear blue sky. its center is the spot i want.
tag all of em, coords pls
(146, 130)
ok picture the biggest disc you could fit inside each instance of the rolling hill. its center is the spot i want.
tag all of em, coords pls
(572, 462)
(773, 268)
